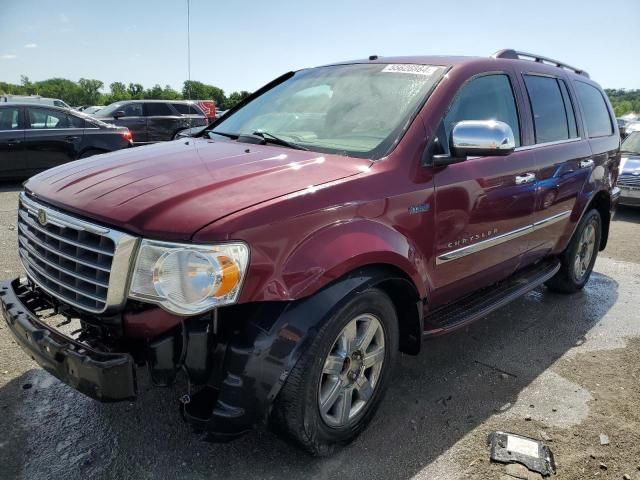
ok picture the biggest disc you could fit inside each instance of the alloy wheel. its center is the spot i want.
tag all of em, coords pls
(584, 254)
(351, 370)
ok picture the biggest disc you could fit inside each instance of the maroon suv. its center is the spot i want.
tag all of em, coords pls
(281, 259)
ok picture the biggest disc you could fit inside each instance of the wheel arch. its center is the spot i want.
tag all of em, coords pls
(262, 353)
(601, 201)
(335, 251)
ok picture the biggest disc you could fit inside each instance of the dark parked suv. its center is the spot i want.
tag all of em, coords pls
(153, 121)
(36, 137)
(282, 258)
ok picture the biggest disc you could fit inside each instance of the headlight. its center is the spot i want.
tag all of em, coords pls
(188, 279)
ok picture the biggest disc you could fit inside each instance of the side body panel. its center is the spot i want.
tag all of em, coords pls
(49, 147)
(137, 124)
(482, 213)
(162, 127)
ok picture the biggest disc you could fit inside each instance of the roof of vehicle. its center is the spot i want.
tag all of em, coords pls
(152, 101)
(37, 105)
(511, 55)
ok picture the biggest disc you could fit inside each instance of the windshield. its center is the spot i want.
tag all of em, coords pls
(359, 110)
(632, 143)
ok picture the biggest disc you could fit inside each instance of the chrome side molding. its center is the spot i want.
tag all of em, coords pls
(505, 237)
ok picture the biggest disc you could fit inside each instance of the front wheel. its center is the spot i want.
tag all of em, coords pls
(580, 256)
(337, 384)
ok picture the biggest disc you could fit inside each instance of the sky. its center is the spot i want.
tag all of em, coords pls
(241, 45)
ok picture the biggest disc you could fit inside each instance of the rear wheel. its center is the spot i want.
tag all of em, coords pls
(335, 388)
(580, 256)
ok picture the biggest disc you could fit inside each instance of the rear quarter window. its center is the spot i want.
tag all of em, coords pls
(184, 109)
(594, 109)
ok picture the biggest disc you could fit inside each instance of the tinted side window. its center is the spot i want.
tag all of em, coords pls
(40, 118)
(10, 119)
(185, 109)
(594, 108)
(485, 98)
(158, 109)
(132, 110)
(549, 115)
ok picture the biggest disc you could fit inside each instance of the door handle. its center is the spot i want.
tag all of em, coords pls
(526, 178)
(13, 141)
(588, 163)
(72, 138)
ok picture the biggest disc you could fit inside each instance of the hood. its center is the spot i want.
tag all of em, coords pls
(171, 190)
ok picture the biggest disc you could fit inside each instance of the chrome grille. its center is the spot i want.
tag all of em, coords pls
(71, 259)
(629, 180)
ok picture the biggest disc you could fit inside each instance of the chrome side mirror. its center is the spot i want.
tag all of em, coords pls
(479, 138)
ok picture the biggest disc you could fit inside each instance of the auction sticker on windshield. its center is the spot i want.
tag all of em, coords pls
(427, 70)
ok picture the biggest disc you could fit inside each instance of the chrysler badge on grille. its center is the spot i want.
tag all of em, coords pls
(42, 217)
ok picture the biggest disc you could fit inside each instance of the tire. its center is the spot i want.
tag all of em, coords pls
(90, 153)
(575, 268)
(297, 411)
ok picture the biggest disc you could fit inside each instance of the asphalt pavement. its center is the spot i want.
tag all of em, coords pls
(504, 372)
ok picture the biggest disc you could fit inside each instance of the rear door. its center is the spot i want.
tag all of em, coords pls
(599, 128)
(52, 137)
(13, 159)
(192, 114)
(135, 120)
(163, 122)
(562, 155)
(483, 205)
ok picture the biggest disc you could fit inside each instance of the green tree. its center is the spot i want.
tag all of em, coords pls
(27, 86)
(154, 93)
(60, 88)
(118, 93)
(169, 93)
(136, 91)
(192, 89)
(235, 98)
(90, 91)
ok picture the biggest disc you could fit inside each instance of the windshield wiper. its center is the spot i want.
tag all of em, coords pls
(270, 137)
(224, 134)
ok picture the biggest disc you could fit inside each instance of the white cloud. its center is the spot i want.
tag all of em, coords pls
(8, 56)
(31, 45)
(63, 18)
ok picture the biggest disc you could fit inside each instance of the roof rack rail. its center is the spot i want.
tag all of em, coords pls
(516, 55)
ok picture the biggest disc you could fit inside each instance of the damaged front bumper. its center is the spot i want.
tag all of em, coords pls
(104, 376)
(220, 402)
(236, 358)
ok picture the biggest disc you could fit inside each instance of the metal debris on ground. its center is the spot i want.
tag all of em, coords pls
(512, 448)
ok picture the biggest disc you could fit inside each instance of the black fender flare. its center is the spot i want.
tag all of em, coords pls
(258, 358)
